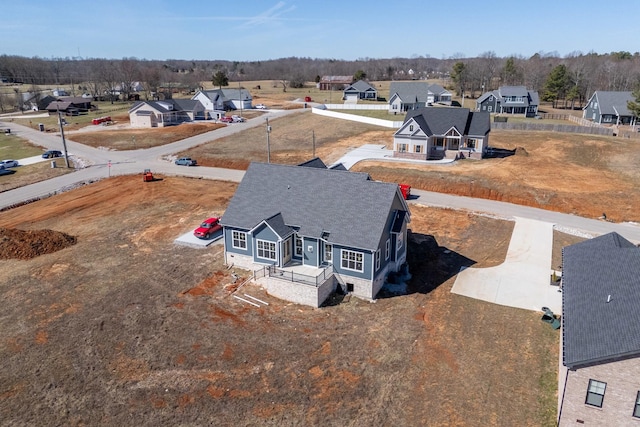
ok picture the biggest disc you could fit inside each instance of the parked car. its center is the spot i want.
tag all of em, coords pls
(5, 164)
(237, 119)
(186, 161)
(260, 107)
(51, 154)
(226, 119)
(208, 228)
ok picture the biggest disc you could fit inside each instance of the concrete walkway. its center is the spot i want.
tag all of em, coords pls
(523, 280)
(379, 152)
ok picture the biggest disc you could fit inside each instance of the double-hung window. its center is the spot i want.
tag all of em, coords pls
(298, 251)
(239, 239)
(595, 393)
(387, 250)
(266, 250)
(351, 260)
(378, 260)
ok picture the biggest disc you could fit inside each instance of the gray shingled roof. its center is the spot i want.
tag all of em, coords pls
(614, 103)
(411, 92)
(348, 205)
(438, 120)
(176, 105)
(594, 271)
(359, 86)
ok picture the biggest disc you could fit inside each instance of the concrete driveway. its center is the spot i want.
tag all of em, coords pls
(523, 279)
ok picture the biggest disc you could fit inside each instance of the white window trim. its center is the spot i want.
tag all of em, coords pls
(378, 259)
(296, 247)
(387, 250)
(241, 237)
(271, 244)
(347, 252)
(330, 252)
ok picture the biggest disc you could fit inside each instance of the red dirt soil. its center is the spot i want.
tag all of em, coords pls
(27, 244)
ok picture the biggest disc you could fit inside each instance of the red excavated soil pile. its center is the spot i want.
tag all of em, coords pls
(21, 244)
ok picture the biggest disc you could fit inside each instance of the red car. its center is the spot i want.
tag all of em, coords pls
(225, 119)
(208, 228)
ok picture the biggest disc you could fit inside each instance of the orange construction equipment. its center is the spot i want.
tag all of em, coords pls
(147, 176)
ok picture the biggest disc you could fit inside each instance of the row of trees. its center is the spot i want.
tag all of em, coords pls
(571, 79)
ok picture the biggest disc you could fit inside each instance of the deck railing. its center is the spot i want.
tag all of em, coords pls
(292, 276)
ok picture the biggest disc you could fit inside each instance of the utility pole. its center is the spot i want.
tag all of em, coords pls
(268, 143)
(313, 138)
(240, 96)
(64, 142)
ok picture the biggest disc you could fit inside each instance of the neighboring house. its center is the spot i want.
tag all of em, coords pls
(360, 90)
(70, 105)
(599, 378)
(334, 82)
(405, 96)
(150, 114)
(510, 100)
(217, 101)
(442, 132)
(606, 107)
(307, 230)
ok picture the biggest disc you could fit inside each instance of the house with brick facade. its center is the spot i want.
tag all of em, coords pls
(432, 133)
(599, 375)
(308, 230)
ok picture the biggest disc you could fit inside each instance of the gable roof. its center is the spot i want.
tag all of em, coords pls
(348, 206)
(530, 97)
(412, 92)
(336, 79)
(360, 86)
(614, 103)
(439, 120)
(167, 105)
(606, 268)
(227, 94)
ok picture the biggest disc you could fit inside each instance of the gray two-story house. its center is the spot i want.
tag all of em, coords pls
(517, 100)
(432, 133)
(307, 231)
(609, 107)
(405, 96)
(599, 378)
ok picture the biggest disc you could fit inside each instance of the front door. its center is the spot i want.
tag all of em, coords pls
(286, 251)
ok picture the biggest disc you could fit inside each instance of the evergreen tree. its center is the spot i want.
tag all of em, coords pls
(634, 106)
(220, 79)
(459, 76)
(557, 85)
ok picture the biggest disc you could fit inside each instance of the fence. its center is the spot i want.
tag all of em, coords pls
(551, 127)
(291, 276)
(356, 106)
(356, 118)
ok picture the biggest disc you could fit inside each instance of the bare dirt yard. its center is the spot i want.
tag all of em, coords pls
(121, 326)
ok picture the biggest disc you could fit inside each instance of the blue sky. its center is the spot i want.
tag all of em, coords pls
(248, 30)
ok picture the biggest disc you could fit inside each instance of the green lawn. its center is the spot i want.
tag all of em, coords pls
(13, 147)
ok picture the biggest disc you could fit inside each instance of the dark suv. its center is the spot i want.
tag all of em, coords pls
(51, 154)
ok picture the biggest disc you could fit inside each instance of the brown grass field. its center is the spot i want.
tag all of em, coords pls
(125, 326)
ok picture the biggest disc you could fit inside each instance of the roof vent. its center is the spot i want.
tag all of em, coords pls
(609, 298)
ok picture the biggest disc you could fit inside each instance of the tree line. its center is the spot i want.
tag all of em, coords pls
(569, 80)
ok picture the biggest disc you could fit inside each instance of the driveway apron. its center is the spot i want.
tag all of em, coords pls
(523, 279)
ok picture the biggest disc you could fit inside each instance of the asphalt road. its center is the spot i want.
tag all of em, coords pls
(135, 161)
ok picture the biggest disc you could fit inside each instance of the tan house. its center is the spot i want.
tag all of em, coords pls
(150, 114)
(599, 376)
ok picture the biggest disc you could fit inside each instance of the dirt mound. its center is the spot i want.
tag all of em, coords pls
(521, 151)
(21, 244)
